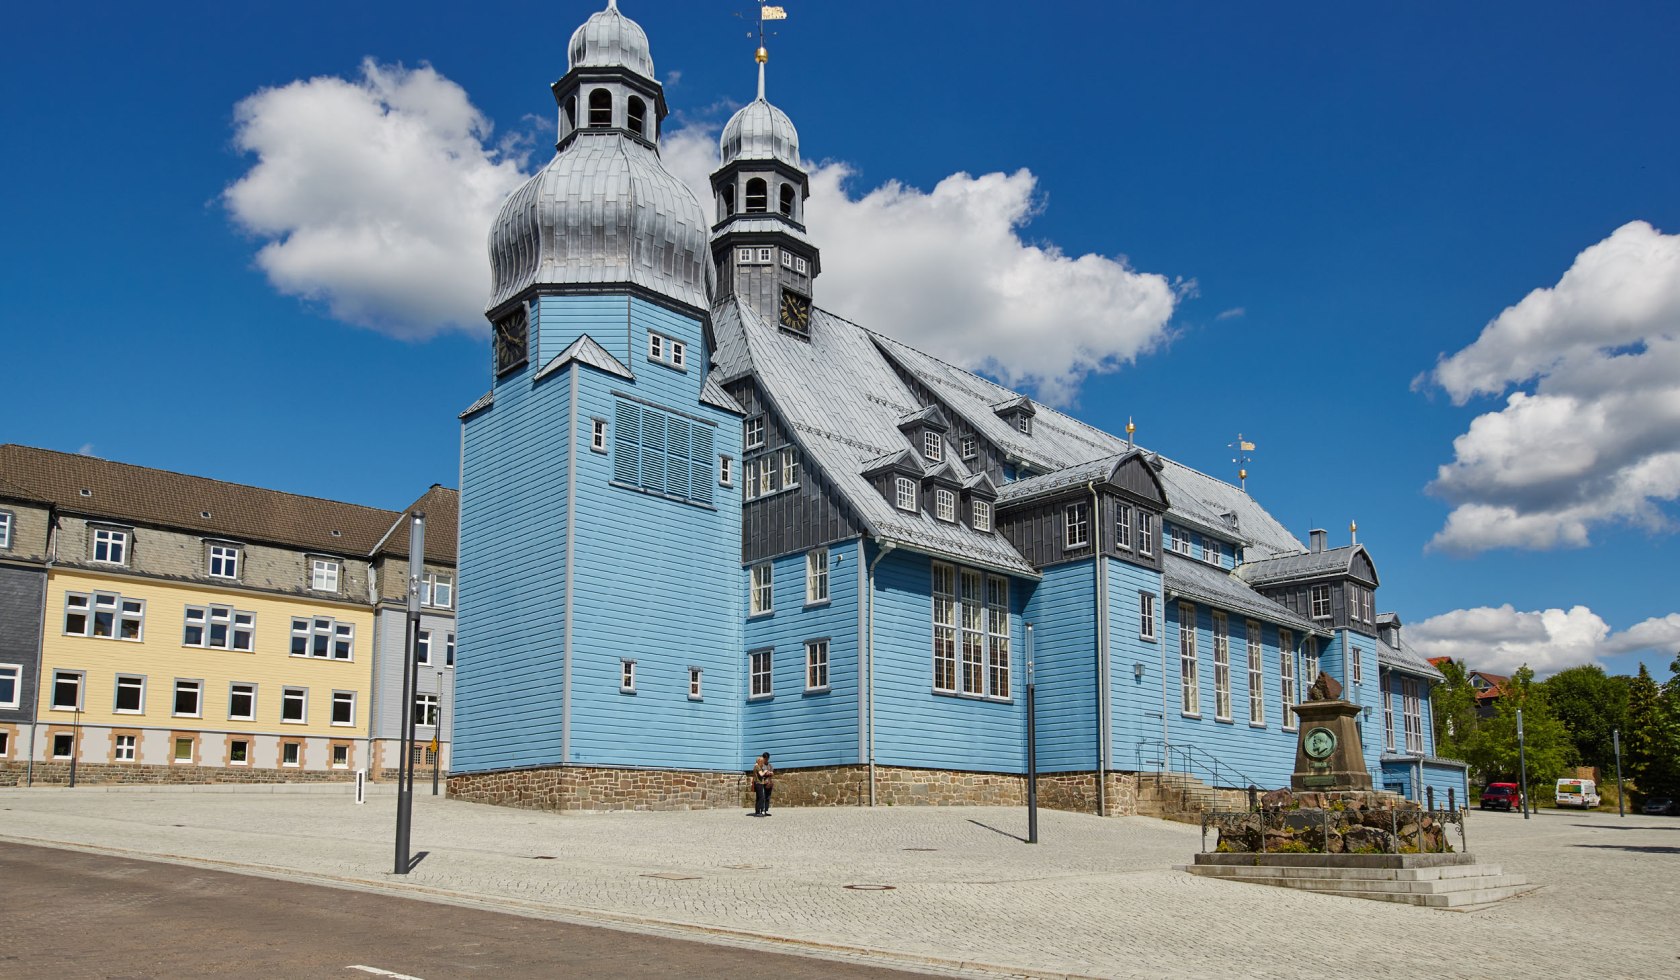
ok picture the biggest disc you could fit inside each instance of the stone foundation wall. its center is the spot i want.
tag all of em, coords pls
(15, 773)
(586, 788)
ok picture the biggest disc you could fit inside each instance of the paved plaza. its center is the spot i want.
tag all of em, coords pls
(1098, 897)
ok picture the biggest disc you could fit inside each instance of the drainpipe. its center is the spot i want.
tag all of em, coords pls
(1100, 569)
(41, 644)
(1161, 642)
(869, 665)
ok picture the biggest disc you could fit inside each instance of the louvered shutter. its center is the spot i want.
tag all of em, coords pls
(627, 440)
(677, 467)
(653, 450)
(700, 449)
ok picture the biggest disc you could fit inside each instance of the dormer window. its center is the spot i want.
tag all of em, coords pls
(758, 196)
(933, 448)
(1023, 423)
(968, 451)
(787, 200)
(600, 109)
(1212, 553)
(982, 515)
(1077, 526)
(945, 505)
(1319, 597)
(637, 115)
(904, 492)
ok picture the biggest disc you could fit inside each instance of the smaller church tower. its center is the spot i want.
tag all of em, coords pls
(762, 254)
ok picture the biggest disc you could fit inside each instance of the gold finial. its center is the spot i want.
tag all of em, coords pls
(1131, 430)
(761, 55)
(1353, 531)
(1243, 448)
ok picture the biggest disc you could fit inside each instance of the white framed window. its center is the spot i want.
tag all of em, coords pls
(968, 447)
(1388, 710)
(1287, 688)
(344, 708)
(1309, 659)
(291, 754)
(766, 254)
(323, 574)
(973, 612)
(787, 260)
(627, 676)
(242, 701)
(982, 515)
(104, 616)
(1146, 615)
(944, 628)
(1123, 526)
(598, 435)
(11, 684)
(816, 576)
(341, 757)
(933, 447)
(219, 628)
(800, 265)
(6, 520)
(945, 505)
(997, 637)
(1319, 597)
(904, 493)
(423, 647)
(294, 705)
(438, 590)
(224, 561)
(1356, 667)
(816, 665)
(63, 745)
(1146, 533)
(1077, 525)
(668, 351)
(189, 699)
(1221, 667)
(695, 676)
(426, 710)
(1023, 423)
(67, 690)
(1412, 705)
(1256, 667)
(765, 472)
(758, 672)
(762, 599)
(110, 545)
(185, 748)
(1212, 552)
(744, 255)
(1189, 680)
(790, 468)
(239, 752)
(1178, 539)
(125, 745)
(323, 638)
(726, 471)
(130, 696)
(752, 433)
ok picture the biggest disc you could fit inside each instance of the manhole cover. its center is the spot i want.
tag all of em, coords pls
(870, 888)
(673, 876)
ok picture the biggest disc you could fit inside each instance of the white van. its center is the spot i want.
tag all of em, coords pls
(1577, 792)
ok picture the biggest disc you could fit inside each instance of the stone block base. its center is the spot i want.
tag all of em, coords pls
(15, 773)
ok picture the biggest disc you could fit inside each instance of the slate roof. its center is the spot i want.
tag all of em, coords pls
(712, 394)
(484, 401)
(1202, 582)
(1095, 471)
(1407, 659)
(442, 507)
(159, 498)
(1307, 564)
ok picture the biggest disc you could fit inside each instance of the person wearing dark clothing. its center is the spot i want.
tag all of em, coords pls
(763, 779)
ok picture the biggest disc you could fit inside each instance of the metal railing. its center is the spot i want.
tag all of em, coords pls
(1406, 832)
(1191, 760)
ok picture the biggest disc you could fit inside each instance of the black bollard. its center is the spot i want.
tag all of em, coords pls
(1429, 793)
(1452, 803)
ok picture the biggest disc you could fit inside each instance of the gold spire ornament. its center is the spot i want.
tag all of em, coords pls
(1242, 459)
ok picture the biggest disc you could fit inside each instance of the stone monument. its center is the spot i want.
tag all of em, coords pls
(1329, 756)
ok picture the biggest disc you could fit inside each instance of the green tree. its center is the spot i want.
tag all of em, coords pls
(1546, 741)
(1652, 736)
(1453, 706)
(1592, 705)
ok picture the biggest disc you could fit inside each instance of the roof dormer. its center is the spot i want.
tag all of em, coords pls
(1018, 412)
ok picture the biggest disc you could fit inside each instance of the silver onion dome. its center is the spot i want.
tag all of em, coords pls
(760, 131)
(610, 39)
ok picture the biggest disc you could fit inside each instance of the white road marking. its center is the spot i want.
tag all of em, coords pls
(376, 971)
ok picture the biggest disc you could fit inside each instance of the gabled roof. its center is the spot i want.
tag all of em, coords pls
(141, 495)
(442, 507)
(1200, 582)
(1309, 564)
(1102, 470)
(484, 401)
(585, 350)
(713, 394)
(1020, 403)
(930, 416)
(1404, 658)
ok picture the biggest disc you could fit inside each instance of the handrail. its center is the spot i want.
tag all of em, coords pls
(1191, 758)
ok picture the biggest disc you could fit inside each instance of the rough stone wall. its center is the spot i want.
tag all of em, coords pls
(581, 788)
(14, 773)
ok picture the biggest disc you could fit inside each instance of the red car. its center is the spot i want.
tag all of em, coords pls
(1501, 796)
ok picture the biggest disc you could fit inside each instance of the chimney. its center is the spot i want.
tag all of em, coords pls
(1318, 536)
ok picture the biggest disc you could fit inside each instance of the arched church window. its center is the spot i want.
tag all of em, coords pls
(758, 196)
(787, 200)
(600, 109)
(638, 116)
(728, 200)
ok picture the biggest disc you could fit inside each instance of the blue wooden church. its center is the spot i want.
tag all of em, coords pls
(704, 518)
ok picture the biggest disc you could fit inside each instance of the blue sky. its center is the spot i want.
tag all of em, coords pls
(1328, 198)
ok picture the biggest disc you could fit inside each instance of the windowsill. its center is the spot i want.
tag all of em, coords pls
(818, 690)
(65, 710)
(818, 604)
(960, 696)
(598, 449)
(1225, 721)
(242, 717)
(1196, 715)
(761, 615)
(1289, 729)
(300, 721)
(344, 724)
(627, 690)
(194, 717)
(760, 697)
(236, 762)
(1257, 724)
(1149, 639)
(696, 698)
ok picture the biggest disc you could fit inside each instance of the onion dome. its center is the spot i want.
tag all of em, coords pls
(760, 131)
(608, 39)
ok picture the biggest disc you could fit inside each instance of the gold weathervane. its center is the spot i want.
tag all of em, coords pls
(1242, 459)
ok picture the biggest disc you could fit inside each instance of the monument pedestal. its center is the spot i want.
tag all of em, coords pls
(1328, 756)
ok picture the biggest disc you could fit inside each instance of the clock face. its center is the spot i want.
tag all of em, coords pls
(796, 311)
(510, 341)
(1319, 743)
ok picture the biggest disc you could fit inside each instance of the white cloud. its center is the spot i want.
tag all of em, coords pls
(1232, 313)
(1501, 639)
(1597, 439)
(374, 196)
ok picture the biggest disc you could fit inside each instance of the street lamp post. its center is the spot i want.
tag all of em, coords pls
(437, 735)
(1032, 748)
(1616, 739)
(411, 681)
(1522, 761)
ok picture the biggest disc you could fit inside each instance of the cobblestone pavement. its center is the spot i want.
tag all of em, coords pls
(1098, 897)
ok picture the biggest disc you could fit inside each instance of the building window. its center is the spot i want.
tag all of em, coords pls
(63, 746)
(694, 678)
(291, 754)
(344, 707)
(6, 528)
(224, 561)
(763, 588)
(933, 447)
(294, 705)
(1078, 525)
(982, 515)
(945, 505)
(423, 647)
(667, 351)
(1309, 658)
(662, 453)
(1178, 539)
(1286, 677)
(758, 196)
(1221, 668)
(323, 638)
(242, 702)
(11, 681)
(816, 665)
(758, 672)
(1388, 711)
(1412, 705)
(1188, 680)
(997, 636)
(219, 628)
(627, 676)
(600, 109)
(766, 256)
(341, 756)
(790, 468)
(762, 476)
(726, 471)
(636, 115)
(184, 745)
(426, 710)
(743, 255)
(438, 589)
(598, 435)
(816, 576)
(787, 204)
(944, 628)
(1212, 552)
(1023, 423)
(110, 545)
(1146, 615)
(103, 615)
(239, 752)
(1146, 533)
(1256, 687)
(189, 699)
(323, 575)
(904, 492)
(1357, 668)
(125, 748)
(5, 744)
(67, 690)
(449, 649)
(131, 695)
(1319, 597)
(1123, 526)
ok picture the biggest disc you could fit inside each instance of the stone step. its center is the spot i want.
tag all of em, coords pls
(1454, 887)
(1340, 885)
(1448, 873)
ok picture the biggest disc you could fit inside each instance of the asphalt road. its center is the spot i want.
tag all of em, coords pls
(71, 914)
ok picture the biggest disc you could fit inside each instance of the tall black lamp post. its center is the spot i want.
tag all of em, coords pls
(1522, 762)
(1032, 748)
(1616, 740)
(411, 681)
